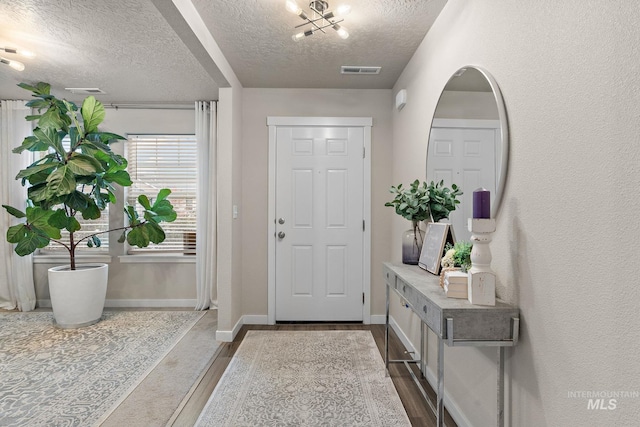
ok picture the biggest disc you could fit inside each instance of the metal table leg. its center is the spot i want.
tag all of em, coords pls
(440, 391)
(422, 351)
(386, 335)
(500, 387)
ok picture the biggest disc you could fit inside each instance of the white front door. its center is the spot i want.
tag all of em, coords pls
(465, 157)
(319, 213)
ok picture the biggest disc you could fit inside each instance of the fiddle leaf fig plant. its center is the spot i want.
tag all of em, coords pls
(64, 183)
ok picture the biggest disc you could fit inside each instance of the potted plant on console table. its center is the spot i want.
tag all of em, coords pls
(420, 203)
(78, 180)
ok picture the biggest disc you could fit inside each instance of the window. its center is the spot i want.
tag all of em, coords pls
(88, 226)
(166, 161)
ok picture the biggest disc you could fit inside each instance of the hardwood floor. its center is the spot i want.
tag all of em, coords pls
(417, 409)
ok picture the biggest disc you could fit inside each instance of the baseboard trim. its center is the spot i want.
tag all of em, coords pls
(228, 336)
(136, 303)
(378, 319)
(452, 407)
(255, 319)
(404, 338)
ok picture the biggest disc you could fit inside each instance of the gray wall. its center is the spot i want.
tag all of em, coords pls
(164, 283)
(567, 235)
(261, 103)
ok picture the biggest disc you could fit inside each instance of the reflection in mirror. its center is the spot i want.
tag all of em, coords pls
(468, 142)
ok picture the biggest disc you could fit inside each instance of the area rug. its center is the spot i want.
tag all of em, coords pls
(305, 378)
(75, 377)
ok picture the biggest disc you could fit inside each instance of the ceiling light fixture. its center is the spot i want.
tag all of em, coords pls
(16, 65)
(320, 18)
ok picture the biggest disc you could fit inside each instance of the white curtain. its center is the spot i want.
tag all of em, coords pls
(16, 278)
(206, 135)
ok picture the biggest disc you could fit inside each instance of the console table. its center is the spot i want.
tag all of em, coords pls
(454, 321)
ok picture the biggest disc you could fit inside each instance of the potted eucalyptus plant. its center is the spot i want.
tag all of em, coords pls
(65, 183)
(421, 202)
(442, 200)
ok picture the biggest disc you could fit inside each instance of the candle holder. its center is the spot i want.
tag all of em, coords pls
(481, 283)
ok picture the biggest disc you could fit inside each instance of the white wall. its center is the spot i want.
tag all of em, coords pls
(229, 264)
(165, 283)
(466, 105)
(567, 242)
(258, 104)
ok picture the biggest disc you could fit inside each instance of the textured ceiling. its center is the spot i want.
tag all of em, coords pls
(141, 50)
(124, 47)
(255, 37)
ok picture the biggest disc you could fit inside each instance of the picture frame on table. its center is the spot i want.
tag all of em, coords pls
(436, 237)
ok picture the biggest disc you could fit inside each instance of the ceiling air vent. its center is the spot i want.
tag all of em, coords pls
(85, 90)
(352, 69)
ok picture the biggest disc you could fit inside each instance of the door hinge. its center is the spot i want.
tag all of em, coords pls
(363, 298)
(364, 150)
(363, 225)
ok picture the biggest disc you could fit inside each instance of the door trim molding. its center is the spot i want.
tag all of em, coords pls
(273, 123)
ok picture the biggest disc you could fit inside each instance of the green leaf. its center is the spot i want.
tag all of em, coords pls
(97, 145)
(38, 192)
(92, 114)
(73, 225)
(119, 177)
(108, 137)
(39, 218)
(30, 243)
(31, 143)
(41, 88)
(51, 119)
(15, 212)
(34, 104)
(139, 237)
(51, 138)
(144, 201)
(34, 169)
(132, 215)
(164, 211)
(77, 200)
(96, 241)
(91, 211)
(163, 194)
(123, 237)
(61, 182)
(59, 219)
(89, 243)
(155, 232)
(16, 233)
(81, 164)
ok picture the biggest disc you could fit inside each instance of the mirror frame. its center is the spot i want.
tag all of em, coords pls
(504, 133)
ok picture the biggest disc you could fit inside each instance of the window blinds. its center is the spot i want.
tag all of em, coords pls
(166, 161)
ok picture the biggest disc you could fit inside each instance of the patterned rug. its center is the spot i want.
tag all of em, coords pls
(75, 377)
(305, 378)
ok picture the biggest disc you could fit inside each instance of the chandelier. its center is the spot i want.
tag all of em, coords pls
(319, 18)
(16, 65)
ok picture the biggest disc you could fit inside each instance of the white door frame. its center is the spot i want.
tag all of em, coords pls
(366, 123)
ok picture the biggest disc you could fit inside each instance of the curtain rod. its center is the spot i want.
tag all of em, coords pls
(151, 106)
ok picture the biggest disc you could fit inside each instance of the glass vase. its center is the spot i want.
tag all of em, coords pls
(412, 244)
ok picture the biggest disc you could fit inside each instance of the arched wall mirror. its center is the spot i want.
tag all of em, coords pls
(469, 142)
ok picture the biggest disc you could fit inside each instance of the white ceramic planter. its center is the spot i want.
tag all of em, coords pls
(77, 297)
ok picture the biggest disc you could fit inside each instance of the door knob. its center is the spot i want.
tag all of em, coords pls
(281, 221)
(281, 235)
